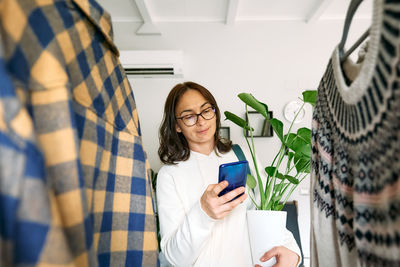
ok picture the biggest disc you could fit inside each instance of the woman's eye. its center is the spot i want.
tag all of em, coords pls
(189, 117)
(207, 111)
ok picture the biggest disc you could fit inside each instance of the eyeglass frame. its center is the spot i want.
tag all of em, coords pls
(197, 116)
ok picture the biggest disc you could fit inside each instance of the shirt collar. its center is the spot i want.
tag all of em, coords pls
(100, 18)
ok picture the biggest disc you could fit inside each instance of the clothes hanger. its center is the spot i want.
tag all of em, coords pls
(346, 54)
(354, 4)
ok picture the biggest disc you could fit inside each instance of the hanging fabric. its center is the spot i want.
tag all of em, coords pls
(75, 185)
(355, 178)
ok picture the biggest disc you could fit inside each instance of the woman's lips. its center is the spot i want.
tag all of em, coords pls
(203, 131)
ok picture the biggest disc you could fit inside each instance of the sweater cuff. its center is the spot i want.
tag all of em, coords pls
(202, 215)
(295, 250)
(290, 243)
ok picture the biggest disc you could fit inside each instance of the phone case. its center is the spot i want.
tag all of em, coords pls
(235, 173)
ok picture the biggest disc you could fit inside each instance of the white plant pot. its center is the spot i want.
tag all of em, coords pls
(266, 230)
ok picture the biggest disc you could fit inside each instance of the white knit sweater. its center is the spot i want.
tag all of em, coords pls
(189, 236)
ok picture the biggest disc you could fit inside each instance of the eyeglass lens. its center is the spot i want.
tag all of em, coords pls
(191, 120)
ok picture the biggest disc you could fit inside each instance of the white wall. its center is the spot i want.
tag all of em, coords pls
(275, 61)
(150, 95)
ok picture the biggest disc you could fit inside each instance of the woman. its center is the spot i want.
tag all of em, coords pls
(198, 228)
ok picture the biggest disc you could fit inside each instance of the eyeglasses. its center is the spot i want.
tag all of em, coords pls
(190, 120)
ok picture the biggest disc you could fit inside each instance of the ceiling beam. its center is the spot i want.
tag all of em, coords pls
(231, 13)
(148, 27)
(317, 10)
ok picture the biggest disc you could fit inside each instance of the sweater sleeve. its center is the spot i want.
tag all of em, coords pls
(183, 234)
(291, 244)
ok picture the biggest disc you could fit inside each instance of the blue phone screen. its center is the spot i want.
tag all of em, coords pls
(235, 173)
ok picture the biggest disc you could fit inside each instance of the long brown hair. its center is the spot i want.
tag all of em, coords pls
(173, 145)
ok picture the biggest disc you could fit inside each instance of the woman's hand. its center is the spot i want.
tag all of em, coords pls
(284, 257)
(218, 207)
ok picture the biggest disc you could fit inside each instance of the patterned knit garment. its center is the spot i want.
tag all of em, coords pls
(355, 179)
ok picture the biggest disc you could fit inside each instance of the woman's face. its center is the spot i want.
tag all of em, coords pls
(201, 133)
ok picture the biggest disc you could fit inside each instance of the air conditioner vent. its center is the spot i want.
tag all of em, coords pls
(152, 63)
(149, 71)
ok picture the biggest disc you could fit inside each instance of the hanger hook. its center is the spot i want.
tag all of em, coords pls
(349, 16)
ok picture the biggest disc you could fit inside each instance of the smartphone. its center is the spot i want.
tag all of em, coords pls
(235, 173)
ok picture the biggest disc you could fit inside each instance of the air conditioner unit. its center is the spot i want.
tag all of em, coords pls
(152, 63)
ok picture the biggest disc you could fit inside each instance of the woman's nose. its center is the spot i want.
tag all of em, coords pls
(200, 120)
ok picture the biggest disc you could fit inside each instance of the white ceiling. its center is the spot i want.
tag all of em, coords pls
(152, 12)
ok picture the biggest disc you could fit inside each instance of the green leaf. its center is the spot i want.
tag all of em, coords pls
(275, 200)
(250, 100)
(300, 145)
(271, 170)
(305, 134)
(290, 139)
(278, 207)
(307, 169)
(237, 120)
(301, 163)
(291, 179)
(266, 108)
(290, 157)
(251, 181)
(279, 175)
(278, 187)
(310, 96)
(304, 149)
(278, 128)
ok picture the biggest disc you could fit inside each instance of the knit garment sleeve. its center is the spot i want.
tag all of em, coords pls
(182, 234)
(291, 244)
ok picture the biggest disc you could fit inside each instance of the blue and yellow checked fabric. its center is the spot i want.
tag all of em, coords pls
(74, 178)
(28, 211)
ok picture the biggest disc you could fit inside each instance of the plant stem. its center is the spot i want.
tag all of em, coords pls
(295, 117)
(294, 186)
(272, 164)
(253, 155)
(268, 177)
(294, 165)
(254, 202)
(269, 188)
(281, 193)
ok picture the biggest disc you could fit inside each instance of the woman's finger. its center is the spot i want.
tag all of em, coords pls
(270, 253)
(231, 195)
(228, 206)
(219, 187)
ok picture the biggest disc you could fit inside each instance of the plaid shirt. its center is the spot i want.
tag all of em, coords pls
(74, 178)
